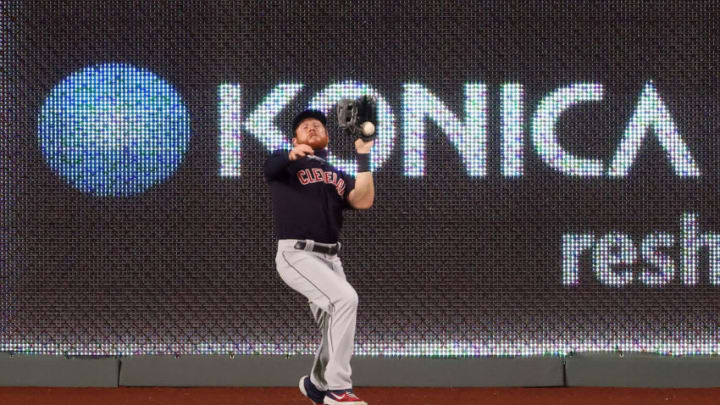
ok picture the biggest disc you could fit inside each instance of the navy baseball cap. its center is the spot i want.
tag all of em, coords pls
(318, 115)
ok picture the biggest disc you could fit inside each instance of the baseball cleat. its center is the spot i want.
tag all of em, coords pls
(309, 390)
(342, 397)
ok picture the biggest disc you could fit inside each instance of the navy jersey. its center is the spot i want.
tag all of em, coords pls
(308, 196)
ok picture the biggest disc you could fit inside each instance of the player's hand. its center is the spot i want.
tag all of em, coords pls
(362, 146)
(300, 151)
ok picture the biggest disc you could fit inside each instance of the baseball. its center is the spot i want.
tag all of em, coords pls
(368, 128)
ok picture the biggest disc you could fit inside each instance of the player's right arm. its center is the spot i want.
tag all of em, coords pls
(275, 164)
(278, 160)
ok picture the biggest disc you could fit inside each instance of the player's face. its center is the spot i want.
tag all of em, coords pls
(311, 132)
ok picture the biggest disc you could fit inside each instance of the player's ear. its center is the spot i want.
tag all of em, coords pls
(294, 141)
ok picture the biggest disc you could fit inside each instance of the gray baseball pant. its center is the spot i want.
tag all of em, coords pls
(333, 302)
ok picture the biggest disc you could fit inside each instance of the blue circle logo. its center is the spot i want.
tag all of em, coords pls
(114, 130)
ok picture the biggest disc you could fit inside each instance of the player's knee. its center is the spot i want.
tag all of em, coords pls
(349, 298)
(352, 298)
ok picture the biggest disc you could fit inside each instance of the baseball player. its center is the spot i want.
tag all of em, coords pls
(308, 196)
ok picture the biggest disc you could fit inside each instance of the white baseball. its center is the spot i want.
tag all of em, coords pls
(368, 128)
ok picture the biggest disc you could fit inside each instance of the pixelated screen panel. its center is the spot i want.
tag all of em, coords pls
(545, 175)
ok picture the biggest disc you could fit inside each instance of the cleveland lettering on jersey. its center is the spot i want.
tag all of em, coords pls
(321, 205)
(308, 176)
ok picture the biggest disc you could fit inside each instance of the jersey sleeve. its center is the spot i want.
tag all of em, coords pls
(349, 186)
(275, 164)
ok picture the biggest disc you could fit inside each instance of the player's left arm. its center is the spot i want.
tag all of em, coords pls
(362, 196)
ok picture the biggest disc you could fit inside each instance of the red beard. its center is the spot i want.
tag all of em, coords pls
(318, 142)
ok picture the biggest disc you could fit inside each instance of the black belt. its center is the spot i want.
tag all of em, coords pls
(332, 250)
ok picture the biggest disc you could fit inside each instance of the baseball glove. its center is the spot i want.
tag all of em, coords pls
(352, 114)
